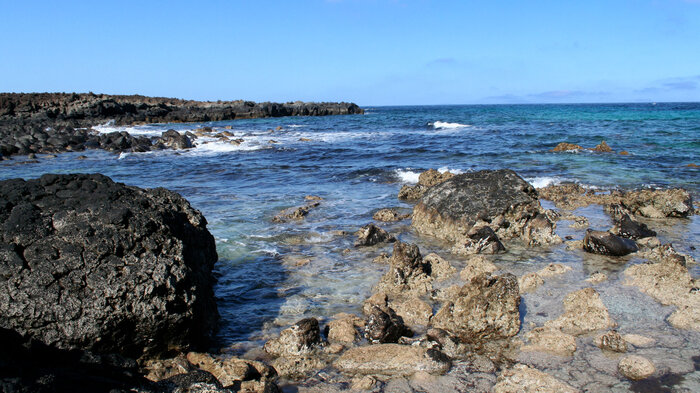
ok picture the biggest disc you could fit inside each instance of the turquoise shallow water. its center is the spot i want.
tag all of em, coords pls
(357, 164)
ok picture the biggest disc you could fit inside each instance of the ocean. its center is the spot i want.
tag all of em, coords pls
(272, 274)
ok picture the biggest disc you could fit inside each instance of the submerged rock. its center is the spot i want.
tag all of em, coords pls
(583, 312)
(636, 367)
(550, 340)
(295, 213)
(392, 359)
(669, 282)
(525, 379)
(371, 234)
(87, 263)
(500, 199)
(605, 243)
(611, 341)
(485, 308)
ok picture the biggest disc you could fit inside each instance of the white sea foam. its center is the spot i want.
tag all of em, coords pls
(441, 125)
(146, 130)
(543, 181)
(407, 176)
(451, 170)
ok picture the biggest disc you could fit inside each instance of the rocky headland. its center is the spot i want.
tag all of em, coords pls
(59, 122)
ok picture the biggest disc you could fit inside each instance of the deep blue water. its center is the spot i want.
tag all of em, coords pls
(357, 164)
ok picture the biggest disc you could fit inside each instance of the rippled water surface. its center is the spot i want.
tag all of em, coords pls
(273, 274)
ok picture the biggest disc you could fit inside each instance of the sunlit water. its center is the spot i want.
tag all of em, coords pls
(270, 275)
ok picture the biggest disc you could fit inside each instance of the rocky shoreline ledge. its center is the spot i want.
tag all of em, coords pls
(110, 286)
(60, 122)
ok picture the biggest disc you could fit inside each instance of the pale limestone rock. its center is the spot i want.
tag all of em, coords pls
(639, 341)
(636, 367)
(583, 312)
(550, 340)
(530, 282)
(392, 359)
(476, 266)
(524, 379)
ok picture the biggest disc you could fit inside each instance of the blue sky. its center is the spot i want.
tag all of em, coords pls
(372, 52)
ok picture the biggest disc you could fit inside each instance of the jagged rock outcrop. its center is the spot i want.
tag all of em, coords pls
(57, 122)
(95, 265)
(499, 199)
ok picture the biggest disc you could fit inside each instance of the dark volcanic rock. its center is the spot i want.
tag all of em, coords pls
(384, 326)
(371, 234)
(56, 122)
(500, 199)
(606, 243)
(95, 265)
(631, 229)
(174, 140)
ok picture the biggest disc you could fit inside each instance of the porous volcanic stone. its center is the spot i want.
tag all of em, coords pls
(91, 264)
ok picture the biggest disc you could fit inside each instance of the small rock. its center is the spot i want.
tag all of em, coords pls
(158, 370)
(550, 340)
(278, 128)
(624, 153)
(371, 234)
(605, 243)
(313, 198)
(583, 312)
(636, 367)
(564, 146)
(611, 341)
(392, 359)
(384, 326)
(232, 371)
(388, 215)
(304, 140)
(525, 379)
(602, 147)
(553, 269)
(299, 339)
(530, 282)
(597, 278)
(344, 327)
(408, 273)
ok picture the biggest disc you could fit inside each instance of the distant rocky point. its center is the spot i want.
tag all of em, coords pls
(47, 122)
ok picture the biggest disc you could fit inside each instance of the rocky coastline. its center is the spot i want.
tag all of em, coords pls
(32, 123)
(112, 285)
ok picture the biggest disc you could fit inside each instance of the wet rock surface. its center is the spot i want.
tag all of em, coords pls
(584, 312)
(605, 243)
(56, 122)
(522, 378)
(485, 308)
(392, 359)
(95, 265)
(500, 198)
(370, 235)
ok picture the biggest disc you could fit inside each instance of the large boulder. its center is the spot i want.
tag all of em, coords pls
(485, 308)
(498, 198)
(172, 139)
(87, 263)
